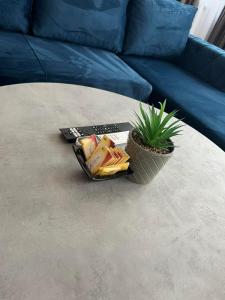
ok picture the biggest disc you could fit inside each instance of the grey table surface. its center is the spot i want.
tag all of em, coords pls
(63, 237)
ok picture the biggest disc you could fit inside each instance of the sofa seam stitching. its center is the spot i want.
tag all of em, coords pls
(28, 43)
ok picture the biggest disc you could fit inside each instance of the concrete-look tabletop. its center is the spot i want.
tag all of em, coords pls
(63, 237)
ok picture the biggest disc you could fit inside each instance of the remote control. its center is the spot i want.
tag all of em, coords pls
(117, 132)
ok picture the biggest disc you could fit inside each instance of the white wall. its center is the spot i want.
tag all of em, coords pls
(206, 17)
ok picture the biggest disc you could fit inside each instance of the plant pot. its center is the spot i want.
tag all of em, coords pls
(145, 163)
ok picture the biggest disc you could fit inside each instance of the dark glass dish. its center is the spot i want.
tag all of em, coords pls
(81, 159)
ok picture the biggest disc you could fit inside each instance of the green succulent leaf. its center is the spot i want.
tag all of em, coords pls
(155, 129)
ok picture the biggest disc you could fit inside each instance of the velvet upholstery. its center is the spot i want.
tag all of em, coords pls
(158, 28)
(194, 82)
(202, 105)
(69, 63)
(204, 60)
(15, 15)
(17, 60)
(94, 23)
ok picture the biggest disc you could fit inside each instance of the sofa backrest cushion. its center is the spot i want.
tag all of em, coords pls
(205, 61)
(158, 28)
(15, 15)
(96, 23)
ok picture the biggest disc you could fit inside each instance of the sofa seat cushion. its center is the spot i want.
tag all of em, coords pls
(202, 105)
(69, 63)
(17, 60)
(15, 15)
(93, 23)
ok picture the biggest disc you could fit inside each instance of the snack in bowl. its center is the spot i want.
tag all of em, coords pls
(89, 144)
(98, 159)
(105, 159)
(105, 141)
(113, 169)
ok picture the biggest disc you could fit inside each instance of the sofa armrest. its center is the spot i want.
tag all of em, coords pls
(205, 61)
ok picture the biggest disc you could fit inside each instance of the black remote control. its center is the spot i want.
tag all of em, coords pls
(117, 131)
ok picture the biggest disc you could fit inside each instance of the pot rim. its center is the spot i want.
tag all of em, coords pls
(149, 151)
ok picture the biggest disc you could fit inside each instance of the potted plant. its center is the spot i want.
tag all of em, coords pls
(149, 143)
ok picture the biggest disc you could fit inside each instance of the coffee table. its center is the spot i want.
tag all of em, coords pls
(63, 237)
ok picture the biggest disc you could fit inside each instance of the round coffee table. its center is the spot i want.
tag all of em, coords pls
(64, 237)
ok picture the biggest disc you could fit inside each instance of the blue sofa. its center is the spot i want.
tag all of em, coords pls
(193, 83)
(25, 58)
(38, 44)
